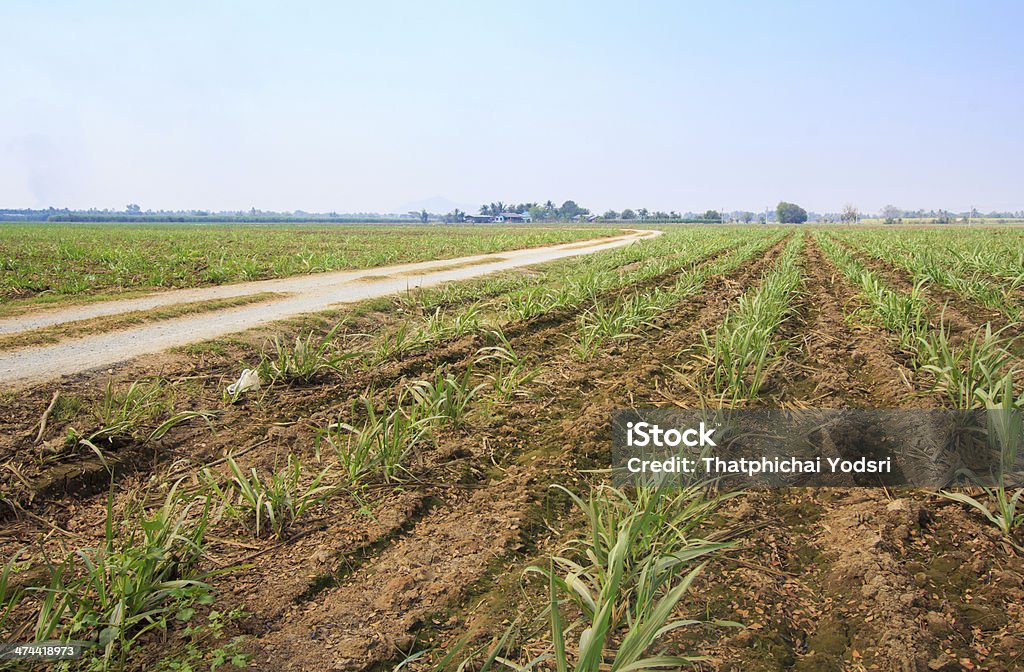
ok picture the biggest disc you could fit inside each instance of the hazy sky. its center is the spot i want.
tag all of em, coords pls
(375, 106)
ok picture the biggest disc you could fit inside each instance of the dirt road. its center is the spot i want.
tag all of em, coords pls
(302, 294)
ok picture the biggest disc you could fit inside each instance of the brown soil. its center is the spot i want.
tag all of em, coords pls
(855, 580)
(825, 579)
(834, 361)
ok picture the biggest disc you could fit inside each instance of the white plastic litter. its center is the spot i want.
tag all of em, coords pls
(249, 380)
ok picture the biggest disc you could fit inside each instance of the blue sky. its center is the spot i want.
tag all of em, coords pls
(360, 106)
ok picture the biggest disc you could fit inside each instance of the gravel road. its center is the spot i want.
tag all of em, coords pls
(304, 294)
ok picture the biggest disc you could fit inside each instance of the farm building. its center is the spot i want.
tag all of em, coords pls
(505, 217)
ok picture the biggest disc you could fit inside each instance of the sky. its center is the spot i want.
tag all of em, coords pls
(386, 106)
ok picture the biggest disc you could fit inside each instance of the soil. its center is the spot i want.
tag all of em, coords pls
(823, 579)
(840, 363)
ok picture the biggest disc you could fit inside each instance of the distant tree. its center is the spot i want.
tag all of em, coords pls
(494, 209)
(790, 213)
(424, 216)
(850, 214)
(627, 214)
(610, 214)
(643, 213)
(455, 215)
(673, 215)
(571, 210)
(891, 212)
(132, 209)
(746, 217)
(712, 216)
(538, 212)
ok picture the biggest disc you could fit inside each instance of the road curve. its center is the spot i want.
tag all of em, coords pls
(304, 294)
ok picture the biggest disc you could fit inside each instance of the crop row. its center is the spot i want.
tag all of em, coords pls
(148, 571)
(975, 373)
(946, 269)
(743, 346)
(625, 315)
(493, 304)
(998, 254)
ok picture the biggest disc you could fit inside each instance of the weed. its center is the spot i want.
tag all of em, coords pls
(272, 503)
(970, 373)
(200, 652)
(380, 445)
(143, 412)
(306, 359)
(630, 572)
(144, 574)
(446, 397)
